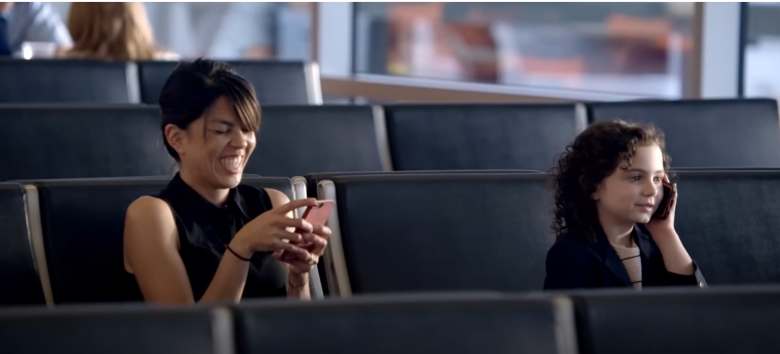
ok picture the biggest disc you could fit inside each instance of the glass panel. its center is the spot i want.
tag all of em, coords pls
(633, 48)
(762, 50)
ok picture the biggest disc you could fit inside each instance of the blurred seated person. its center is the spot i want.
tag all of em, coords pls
(29, 22)
(112, 31)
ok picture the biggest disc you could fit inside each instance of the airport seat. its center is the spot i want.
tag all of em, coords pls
(437, 232)
(116, 329)
(295, 140)
(275, 82)
(681, 320)
(728, 221)
(60, 81)
(722, 133)
(480, 136)
(419, 324)
(18, 270)
(81, 223)
(75, 141)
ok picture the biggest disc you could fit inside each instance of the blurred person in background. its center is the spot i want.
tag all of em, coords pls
(112, 31)
(29, 22)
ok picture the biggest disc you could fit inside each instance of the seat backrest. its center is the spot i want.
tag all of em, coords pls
(436, 232)
(68, 81)
(295, 140)
(69, 141)
(408, 325)
(275, 82)
(707, 133)
(728, 221)
(684, 320)
(18, 270)
(480, 136)
(82, 223)
(115, 329)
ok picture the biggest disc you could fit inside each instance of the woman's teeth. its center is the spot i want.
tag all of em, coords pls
(232, 164)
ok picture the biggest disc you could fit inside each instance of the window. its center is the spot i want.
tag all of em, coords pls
(229, 30)
(623, 48)
(761, 77)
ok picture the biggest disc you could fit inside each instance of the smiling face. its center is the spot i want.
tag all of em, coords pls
(214, 149)
(632, 192)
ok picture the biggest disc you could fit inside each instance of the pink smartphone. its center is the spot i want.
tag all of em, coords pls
(319, 214)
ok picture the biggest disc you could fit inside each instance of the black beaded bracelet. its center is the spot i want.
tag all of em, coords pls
(236, 254)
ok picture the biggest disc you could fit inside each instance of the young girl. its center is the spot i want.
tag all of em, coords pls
(609, 186)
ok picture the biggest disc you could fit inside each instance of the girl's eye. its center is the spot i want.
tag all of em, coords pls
(657, 179)
(635, 178)
(219, 131)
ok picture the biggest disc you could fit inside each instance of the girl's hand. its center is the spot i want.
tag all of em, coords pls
(665, 226)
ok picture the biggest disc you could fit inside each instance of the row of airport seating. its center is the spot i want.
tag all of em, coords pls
(71, 141)
(93, 81)
(722, 320)
(62, 239)
(393, 232)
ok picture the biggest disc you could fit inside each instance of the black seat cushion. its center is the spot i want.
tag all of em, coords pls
(433, 232)
(17, 264)
(83, 222)
(728, 221)
(66, 81)
(295, 140)
(114, 329)
(734, 320)
(72, 141)
(409, 325)
(275, 82)
(707, 133)
(456, 137)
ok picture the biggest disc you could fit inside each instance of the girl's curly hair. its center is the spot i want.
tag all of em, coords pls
(594, 155)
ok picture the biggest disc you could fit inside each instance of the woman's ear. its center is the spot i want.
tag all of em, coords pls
(175, 138)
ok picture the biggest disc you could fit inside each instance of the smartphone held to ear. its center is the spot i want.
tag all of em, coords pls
(665, 206)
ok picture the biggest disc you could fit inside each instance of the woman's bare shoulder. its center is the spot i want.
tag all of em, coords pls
(277, 197)
(151, 216)
(148, 205)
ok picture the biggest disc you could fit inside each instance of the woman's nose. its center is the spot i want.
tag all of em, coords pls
(239, 139)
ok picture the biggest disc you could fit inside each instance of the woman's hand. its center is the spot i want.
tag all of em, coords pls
(314, 243)
(270, 231)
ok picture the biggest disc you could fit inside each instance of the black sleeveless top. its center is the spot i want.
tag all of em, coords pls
(204, 230)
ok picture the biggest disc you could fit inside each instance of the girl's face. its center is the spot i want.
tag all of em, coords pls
(631, 194)
(216, 159)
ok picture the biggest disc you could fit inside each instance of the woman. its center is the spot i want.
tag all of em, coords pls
(609, 185)
(112, 31)
(206, 237)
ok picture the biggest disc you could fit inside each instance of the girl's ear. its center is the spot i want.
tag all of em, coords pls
(175, 137)
(597, 193)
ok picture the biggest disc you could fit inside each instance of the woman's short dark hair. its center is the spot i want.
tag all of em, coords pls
(194, 86)
(593, 156)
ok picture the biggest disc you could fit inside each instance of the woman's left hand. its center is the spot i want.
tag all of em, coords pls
(314, 243)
